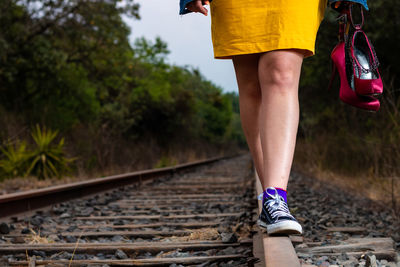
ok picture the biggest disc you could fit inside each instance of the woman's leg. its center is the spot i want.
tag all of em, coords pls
(269, 107)
(269, 110)
(246, 68)
(279, 74)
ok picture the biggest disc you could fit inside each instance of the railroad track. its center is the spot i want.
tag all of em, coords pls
(204, 217)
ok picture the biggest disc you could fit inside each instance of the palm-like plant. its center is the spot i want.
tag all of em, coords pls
(47, 159)
(13, 161)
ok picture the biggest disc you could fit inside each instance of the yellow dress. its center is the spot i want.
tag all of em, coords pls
(253, 26)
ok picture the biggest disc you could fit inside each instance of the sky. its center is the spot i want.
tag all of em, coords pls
(188, 38)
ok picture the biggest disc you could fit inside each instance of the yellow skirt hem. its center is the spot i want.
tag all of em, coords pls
(253, 48)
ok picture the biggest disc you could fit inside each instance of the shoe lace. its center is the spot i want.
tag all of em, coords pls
(276, 205)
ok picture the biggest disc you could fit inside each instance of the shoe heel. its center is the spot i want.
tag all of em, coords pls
(333, 68)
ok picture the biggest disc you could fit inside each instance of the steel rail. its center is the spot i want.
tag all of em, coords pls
(15, 203)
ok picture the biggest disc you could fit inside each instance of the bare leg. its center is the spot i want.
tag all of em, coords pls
(279, 74)
(270, 110)
(246, 68)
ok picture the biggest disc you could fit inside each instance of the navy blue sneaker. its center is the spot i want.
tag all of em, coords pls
(275, 216)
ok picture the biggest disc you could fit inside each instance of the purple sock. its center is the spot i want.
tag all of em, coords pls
(281, 192)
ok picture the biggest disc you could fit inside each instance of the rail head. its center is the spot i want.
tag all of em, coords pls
(15, 203)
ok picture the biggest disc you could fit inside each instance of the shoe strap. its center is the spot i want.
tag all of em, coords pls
(373, 59)
(350, 11)
(343, 27)
(345, 18)
(347, 12)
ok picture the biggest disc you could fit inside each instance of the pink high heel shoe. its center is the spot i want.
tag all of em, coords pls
(346, 93)
(357, 66)
(366, 79)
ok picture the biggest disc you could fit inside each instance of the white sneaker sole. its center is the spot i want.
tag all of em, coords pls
(284, 227)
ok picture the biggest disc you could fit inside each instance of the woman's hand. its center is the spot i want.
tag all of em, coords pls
(197, 6)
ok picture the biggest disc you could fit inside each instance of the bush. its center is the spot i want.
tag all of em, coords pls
(46, 159)
(14, 159)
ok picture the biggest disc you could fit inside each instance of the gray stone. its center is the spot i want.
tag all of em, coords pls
(39, 253)
(343, 257)
(352, 258)
(228, 238)
(70, 239)
(119, 222)
(370, 261)
(303, 245)
(37, 221)
(117, 238)
(348, 264)
(80, 257)
(25, 231)
(87, 211)
(321, 261)
(4, 228)
(324, 264)
(120, 255)
(65, 215)
(65, 255)
(227, 251)
(71, 228)
(303, 255)
(100, 256)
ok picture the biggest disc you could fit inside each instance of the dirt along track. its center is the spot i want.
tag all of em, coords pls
(205, 217)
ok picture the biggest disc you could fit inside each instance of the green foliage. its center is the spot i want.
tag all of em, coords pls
(44, 159)
(149, 52)
(47, 159)
(57, 57)
(13, 160)
(69, 65)
(235, 132)
(214, 113)
(166, 161)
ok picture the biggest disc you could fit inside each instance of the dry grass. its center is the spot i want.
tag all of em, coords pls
(385, 190)
(204, 234)
(35, 238)
(149, 161)
(76, 246)
(355, 150)
(242, 231)
(21, 184)
(101, 154)
(200, 234)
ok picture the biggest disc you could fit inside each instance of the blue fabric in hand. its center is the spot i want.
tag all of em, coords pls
(362, 2)
(182, 4)
(182, 7)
